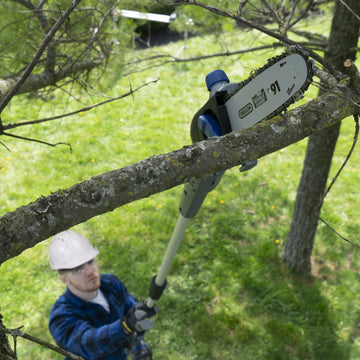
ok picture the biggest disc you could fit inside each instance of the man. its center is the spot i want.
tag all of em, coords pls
(96, 317)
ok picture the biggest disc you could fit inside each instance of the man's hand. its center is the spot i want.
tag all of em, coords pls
(138, 349)
(139, 318)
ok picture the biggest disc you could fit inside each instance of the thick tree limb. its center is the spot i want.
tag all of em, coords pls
(103, 193)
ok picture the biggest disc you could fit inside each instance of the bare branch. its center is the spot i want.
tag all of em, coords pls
(241, 6)
(167, 58)
(1, 143)
(273, 12)
(264, 30)
(38, 141)
(37, 56)
(27, 4)
(102, 21)
(300, 16)
(338, 234)
(349, 8)
(356, 118)
(17, 333)
(290, 16)
(84, 109)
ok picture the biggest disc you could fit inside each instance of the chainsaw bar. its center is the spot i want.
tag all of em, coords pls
(266, 93)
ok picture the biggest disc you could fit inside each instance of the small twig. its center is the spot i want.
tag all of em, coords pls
(87, 108)
(172, 59)
(351, 10)
(87, 85)
(304, 13)
(38, 141)
(241, 6)
(273, 12)
(339, 235)
(356, 118)
(1, 143)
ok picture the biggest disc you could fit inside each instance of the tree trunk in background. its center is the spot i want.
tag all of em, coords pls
(5, 348)
(298, 248)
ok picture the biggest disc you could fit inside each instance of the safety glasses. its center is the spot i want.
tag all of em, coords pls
(79, 270)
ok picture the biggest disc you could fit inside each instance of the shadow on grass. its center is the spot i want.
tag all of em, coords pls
(297, 320)
(244, 303)
(259, 311)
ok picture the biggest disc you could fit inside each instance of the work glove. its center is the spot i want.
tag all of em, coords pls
(139, 318)
(138, 349)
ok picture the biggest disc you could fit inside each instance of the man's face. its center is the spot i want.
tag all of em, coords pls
(84, 279)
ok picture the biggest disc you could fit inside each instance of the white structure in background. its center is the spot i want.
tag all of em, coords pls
(155, 17)
(147, 16)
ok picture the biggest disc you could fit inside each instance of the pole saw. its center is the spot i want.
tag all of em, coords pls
(231, 107)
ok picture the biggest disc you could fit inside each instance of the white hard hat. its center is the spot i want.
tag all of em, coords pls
(69, 249)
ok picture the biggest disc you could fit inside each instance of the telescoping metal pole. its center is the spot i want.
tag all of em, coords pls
(158, 283)
(193, 195)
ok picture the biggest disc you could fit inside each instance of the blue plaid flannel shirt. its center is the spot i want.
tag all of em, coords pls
(87, 329)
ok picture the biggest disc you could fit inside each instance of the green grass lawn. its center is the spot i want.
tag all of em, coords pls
(229, 294)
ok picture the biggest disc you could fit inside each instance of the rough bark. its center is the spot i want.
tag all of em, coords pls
(298, 248)
(5, 349)
(65, 208)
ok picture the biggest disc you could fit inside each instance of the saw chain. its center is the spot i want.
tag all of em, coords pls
(267, 92)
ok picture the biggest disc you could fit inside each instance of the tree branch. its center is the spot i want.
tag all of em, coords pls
(356, 118)
(84, 109)
(266, 31)
(39, 81)
(37, 56)
(301, 16)
(35, 140)
(17, 333)
(349, 8)
(273, 12)
(241, 6)
(106, 192)
(167, 58)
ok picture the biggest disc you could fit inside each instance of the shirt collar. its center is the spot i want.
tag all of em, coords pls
(79, 302)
